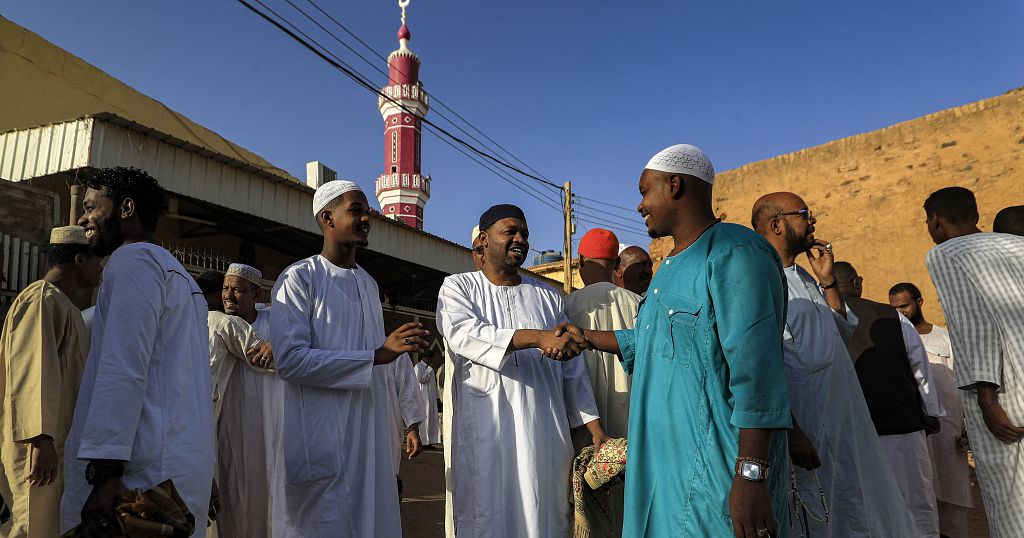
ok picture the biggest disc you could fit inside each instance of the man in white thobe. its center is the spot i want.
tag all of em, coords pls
(508, 409)
(602, 306)
(405, 408)
(951, 475)
(238, 390)
(327, 331)
(144, 413)
(430, 428)
(980, 280)
(898, 387)
(833, 440)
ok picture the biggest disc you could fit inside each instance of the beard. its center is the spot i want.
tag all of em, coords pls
(796, 243)
(108, 236)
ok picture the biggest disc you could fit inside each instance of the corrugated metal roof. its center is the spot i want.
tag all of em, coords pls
(184, 168)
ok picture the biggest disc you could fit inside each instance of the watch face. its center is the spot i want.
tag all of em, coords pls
(751, 470)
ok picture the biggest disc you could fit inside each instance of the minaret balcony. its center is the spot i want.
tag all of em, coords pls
(412, 96)
(416, 182)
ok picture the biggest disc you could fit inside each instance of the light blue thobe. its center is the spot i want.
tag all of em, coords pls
(706, 357)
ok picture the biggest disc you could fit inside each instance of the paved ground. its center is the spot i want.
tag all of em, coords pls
(423, 495)
(423, 502)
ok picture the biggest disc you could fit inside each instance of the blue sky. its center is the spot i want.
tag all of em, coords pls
(584, 91)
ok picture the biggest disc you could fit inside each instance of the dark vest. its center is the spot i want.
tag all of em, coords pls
(880, 358)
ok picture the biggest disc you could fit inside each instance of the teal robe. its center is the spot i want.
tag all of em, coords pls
(706, 358)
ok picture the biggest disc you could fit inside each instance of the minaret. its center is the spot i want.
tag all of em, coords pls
(401, 190)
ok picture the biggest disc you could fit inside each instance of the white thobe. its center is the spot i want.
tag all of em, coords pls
(405, 405)
(950, 470)
(507, 414)
(907, 453)
(980, 280)
(430, 428)
(272, 389)
(825, 397)
(326, 323)
(145, 393)
(241, 470)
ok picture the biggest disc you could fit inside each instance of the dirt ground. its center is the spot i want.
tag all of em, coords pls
(423, 498)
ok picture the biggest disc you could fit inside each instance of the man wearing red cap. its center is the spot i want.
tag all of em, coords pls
(603, 306)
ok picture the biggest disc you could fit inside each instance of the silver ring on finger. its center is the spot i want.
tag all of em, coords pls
(406, 341)
(764, 532)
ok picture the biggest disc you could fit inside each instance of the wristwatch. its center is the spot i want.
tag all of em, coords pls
(834, 284)
(99, 471)
(752, 469)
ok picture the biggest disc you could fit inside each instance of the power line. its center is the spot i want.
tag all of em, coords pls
(362, 81)
(375, 67)
(435, 98)
(629, 209)
(454, 141)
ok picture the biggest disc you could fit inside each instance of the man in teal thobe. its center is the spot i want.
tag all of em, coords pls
(709, 407)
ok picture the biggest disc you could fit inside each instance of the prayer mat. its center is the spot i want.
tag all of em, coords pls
(592, 479)
(152, 513)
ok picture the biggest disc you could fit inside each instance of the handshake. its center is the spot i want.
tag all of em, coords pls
(565, 342)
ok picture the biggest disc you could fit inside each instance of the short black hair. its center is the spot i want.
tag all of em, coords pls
(210, 281)
(120, 183)
(1009, 220)
(915, 293)
(955, 204)
(62, 254)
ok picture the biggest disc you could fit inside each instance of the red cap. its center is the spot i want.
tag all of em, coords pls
(599, 244)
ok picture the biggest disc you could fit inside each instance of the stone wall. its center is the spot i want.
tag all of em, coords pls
(867, 190)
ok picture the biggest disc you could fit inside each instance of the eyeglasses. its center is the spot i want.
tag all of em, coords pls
(807, 214)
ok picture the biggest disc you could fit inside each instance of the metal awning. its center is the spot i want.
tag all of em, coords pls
(202, 175)
(183, 168)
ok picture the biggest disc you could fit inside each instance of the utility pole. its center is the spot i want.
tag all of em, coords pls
(567, 246)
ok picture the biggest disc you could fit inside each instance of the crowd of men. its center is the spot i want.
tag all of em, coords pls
(758, 397)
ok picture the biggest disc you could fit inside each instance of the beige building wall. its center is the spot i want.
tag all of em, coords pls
(867, 190)
(556, 271)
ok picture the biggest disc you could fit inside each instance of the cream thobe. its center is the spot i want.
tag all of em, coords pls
(430, 428)
(980, 280)
(603, 306)
(825, 397)
(326, 323)
(145, 393)
(507, 414)
(42, 354)
(241, 470)
(950, 471)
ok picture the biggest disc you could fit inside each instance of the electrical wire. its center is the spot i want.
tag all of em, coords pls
(435, 98)
(339, 64)
(452, 140)
(362, 81)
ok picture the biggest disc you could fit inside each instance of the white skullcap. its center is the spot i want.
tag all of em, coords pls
(331, 190)
(476, 233)
(68, 235)
(683, 159)
(247, 272)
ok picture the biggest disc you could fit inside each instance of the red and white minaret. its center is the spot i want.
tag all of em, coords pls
(402, 190)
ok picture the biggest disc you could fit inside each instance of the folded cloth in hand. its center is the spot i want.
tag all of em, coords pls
(155, 512)
(593, 475)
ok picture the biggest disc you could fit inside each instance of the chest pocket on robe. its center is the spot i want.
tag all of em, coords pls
(677, 327)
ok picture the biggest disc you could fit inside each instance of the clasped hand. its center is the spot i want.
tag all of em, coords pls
(565, 342)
